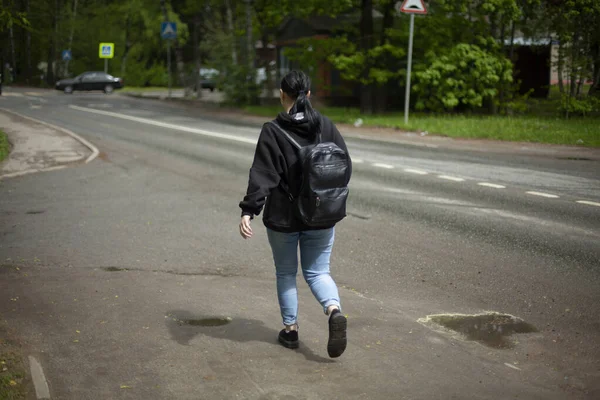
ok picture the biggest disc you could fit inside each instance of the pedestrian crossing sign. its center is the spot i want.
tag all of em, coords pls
(168, 30)
(107, 50)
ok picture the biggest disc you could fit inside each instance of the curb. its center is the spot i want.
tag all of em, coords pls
(93, 149)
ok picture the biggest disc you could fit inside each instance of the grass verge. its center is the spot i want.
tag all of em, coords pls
(13, 379)
(525, 128)
(4, 148)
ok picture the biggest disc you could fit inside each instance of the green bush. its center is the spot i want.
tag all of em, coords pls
(138, 75)
(239, 85)
(462, 79)
(579, 106)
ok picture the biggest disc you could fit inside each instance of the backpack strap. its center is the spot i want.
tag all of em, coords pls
(282, 184)
(286, 134)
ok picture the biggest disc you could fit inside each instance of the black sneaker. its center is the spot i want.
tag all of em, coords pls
(289, 339)
(337, 334)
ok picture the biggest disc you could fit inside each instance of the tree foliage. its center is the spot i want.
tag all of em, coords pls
(462, 57)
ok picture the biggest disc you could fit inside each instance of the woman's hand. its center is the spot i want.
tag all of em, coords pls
(245, 228)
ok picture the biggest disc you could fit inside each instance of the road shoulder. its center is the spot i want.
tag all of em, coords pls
(38, 146)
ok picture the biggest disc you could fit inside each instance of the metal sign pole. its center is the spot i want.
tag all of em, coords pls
(410, 49)
(169, 64)
(106, 65)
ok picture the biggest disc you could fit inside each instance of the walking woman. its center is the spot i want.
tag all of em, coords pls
(275, 180)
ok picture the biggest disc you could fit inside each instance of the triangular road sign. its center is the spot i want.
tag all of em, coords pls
(413, 7)
(168, 30)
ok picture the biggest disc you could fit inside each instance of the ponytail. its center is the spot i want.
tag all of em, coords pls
(296, 84)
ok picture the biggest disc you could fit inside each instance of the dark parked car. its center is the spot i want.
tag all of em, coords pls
(208, 78)
(90, 81)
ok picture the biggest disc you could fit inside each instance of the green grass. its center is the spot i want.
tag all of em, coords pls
(13, 380)
(523, 128)
(4, 146)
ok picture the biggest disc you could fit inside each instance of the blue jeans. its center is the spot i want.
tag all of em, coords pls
(315, 252)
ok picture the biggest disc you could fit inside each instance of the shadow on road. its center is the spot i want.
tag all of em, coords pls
(184, 326)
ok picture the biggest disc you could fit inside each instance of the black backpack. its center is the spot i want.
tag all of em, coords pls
(324, 188)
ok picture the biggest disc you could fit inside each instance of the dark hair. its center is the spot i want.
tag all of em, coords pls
(296, 84)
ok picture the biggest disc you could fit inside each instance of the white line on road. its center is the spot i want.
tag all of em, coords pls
(512, 366)
(451, 178)
(39, 380)
(492, 185)
(32, 171)
(547, 195)
(166, 125)
(589, 203)
(357, 161)
(386, 166)
(416, 171)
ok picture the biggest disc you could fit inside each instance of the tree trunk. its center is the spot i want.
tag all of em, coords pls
(381, 91)
(72, 33)
(28, 46)
(251, 75)
(249, 44)
(366, 43)
(579, 85)
(560, 66)
(511, 52)
(234, 57)
(50, 76)
(127, 45)
(12, 53)
(573, 71)
(196, 42)
(595, 87)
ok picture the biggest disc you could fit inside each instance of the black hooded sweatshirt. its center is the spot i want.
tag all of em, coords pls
(276, 160)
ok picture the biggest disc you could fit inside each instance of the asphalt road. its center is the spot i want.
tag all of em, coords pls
(112, 257)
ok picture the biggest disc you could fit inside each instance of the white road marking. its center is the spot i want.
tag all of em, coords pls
(451, 178)
(34, 107)
(512, 366)
(12, 94)
(32, 171)
(386, 166)
(253, 141)
(39, 379)
(166, 125)
(589, 203)
(547, 195)
(357, 161)
(416, 171)
(492, 185)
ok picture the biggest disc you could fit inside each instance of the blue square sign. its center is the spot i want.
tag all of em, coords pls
(66, 55)
(168, 30)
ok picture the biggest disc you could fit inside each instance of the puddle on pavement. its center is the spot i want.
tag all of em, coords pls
(208, 321)
(490, 329)
(114, 269)
(205, 321)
